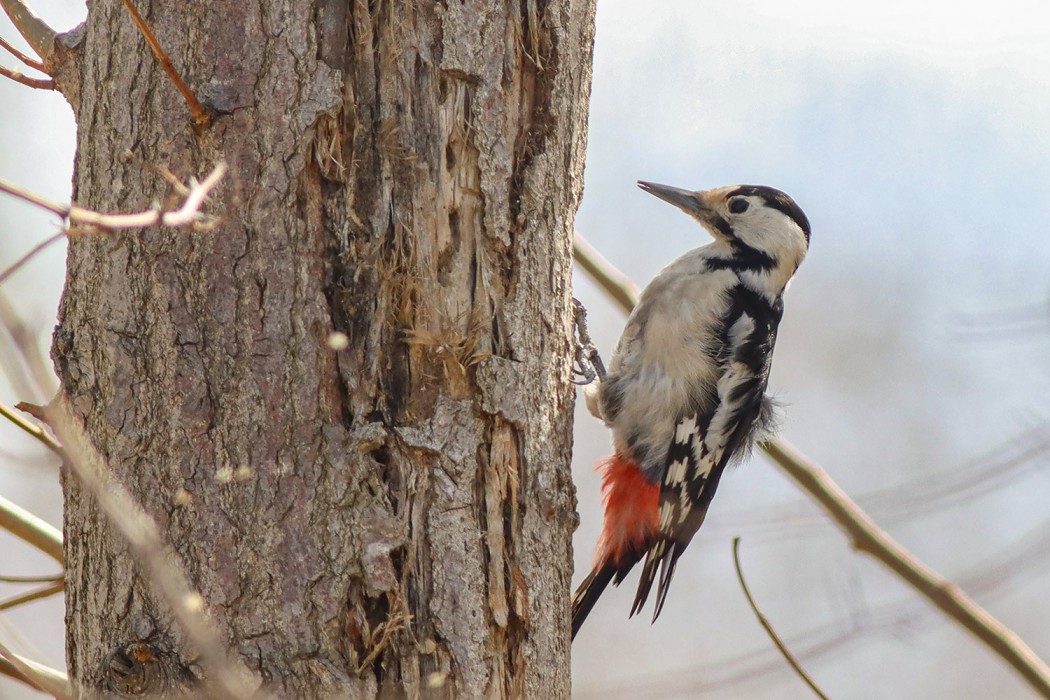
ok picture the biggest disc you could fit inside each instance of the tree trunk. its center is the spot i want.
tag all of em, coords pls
(389, 519)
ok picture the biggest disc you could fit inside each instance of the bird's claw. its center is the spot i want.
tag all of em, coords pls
(587, 362)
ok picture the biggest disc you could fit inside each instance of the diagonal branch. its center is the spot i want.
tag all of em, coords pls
(28, 61)
(867, 537)
(59, 54)
(35, 594)
(187, 215)
(38, 83)
(32, 579)
(35, 430)
(28, 527)
(33, 252)
(34, 30)
(200, 115)
(788, 656)
(616, 284)
(37, 675)
(855, 522)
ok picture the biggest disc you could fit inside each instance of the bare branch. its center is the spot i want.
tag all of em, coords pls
(769, 628)
(28, 527)
(856, 523)
(28, 61)
(32, 579)
(615, 283)
(36, 675)
(33, 252)
(37, 594)
(160, 170)
(36, 367)
(26, 196)
(38, 83)
(78, 217)
(198, 191)
(867, 537)
(36, 430)
(34, 30)
(200, 115)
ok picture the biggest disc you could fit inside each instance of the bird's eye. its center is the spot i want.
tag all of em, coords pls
(738, 205)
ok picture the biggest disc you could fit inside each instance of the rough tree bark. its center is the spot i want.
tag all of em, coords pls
(392, 518)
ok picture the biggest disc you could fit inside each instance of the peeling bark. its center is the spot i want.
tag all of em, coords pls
(392, 519)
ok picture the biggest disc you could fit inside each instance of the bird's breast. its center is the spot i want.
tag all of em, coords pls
(671, 366)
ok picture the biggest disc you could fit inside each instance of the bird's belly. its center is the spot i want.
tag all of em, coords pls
(670, 371)
(652, 404)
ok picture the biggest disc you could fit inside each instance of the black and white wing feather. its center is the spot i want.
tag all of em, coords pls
(704, 443)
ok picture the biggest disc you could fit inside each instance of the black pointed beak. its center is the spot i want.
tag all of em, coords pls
(685, 200)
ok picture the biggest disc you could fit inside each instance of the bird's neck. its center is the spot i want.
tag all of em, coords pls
(772, 282)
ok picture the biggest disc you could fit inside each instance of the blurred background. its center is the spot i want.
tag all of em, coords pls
(912, 358)
(37, 140)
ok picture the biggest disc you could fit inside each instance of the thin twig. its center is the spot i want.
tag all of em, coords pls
(947, 596)
(200, 115)
(29, 61)
(615, 283)
(25, 342)
(31, 529)
(26, 196)
(33, 252)
(32, 579)
(36, 430)
(160, 170)
(37, 675)
(186, 215)
(865, 534)
(34, 30)
(769, 628)
(37, 594)
(38, 83)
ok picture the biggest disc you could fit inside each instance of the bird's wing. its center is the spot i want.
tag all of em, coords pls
(705, 442)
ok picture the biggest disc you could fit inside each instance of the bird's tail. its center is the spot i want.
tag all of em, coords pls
(632, 511)
(588, 593)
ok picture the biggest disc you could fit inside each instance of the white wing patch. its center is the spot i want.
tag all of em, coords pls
(686, 431)
(721, 426)
(741, 329)
(666, 515)
(702, 457)
(676, 472)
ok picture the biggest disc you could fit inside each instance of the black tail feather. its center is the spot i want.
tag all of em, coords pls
(658, 552)
(667, 567)
(588, 593)
(662, 557)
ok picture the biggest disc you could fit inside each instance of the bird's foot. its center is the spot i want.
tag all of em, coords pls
(587, 363)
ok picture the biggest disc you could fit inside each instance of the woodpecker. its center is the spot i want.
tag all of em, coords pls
(685, 395)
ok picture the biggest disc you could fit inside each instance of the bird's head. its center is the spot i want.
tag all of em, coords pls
(759, 222)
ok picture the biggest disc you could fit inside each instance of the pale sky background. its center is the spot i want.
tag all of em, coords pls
(913, 356)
